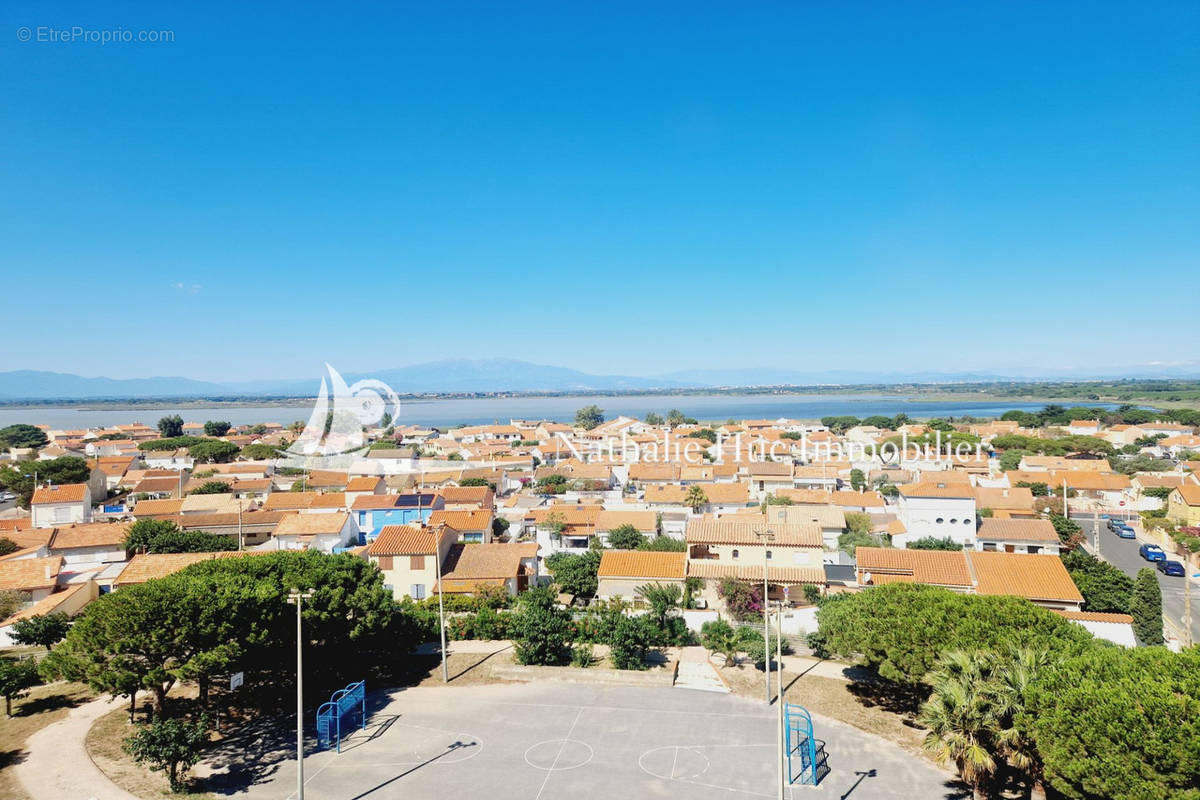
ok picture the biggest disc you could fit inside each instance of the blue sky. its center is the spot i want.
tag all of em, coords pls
(618, 188)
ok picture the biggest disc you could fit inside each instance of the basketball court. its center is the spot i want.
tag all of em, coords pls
(556, 740)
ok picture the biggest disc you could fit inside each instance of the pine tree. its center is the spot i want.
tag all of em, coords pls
(1146, 608)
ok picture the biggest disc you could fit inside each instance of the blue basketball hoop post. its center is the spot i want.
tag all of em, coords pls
(800, 746)
(347, 705)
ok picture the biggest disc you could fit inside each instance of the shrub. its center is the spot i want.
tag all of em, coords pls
(818, 644)
(742, 600)
(631, 638)
(582, 656)
(541, 631)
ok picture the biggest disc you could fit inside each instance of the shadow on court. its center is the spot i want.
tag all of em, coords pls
(454, 747)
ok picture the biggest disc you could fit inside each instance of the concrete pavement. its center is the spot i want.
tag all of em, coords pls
(57, 765)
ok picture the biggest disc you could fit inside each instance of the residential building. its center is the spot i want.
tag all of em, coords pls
(70, 503)
(623, 571)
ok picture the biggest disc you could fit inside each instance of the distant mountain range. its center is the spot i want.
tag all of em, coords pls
(508, 375)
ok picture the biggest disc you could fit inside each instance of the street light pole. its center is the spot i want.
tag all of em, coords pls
(765, 537)
(437, 565)
(297, 599)
(779, 754)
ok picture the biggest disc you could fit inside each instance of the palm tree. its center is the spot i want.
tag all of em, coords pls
(961, 717)
(695, 498)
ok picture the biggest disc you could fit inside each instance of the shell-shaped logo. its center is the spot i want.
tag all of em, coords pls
(336, 428)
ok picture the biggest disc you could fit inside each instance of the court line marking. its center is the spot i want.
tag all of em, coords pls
(550, 771)
(696, 749)
(620, 708)
(562, 744)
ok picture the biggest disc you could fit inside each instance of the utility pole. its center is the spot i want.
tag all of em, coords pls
(765, 537)
(779, 754)
(1187, 604)
(437, 566)
(297, 598)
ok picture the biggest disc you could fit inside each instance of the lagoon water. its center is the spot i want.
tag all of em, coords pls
(480, 411)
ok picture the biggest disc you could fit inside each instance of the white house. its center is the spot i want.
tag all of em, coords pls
(941, 509)
(321, 532)
(70, 503)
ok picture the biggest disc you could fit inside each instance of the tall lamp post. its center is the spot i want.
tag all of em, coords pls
(779, 751)
(437, 565)
(297, 599)
(766, 536)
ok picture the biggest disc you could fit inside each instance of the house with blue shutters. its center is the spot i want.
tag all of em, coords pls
(373, 511)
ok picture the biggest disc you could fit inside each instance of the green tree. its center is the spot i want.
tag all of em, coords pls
(541, 630)
(630, 640)
(718, 636)
(477, 482)
(973, 711)
(171, 746)
(1104, 587)
(840, 425)
(18, 478)
(664, 600)
(675, 418)
(625, 537)
(169, 427)
(850, 541)
(212, 487)
(8, 546)
(663, 544)
(695, 498)
(213, 428)
(933, 543)
(213, 451)
(22, 435)
(258, 452)
(654, 419)
(1117, 722)
(1011, 459)
(589, 417)
(858, 479)
(900, 630)
(43, 630)
(575, 573)
(11, 602)
(1146, 607)
(17, 677)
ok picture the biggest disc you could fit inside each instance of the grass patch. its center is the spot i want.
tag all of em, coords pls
(43, 706)
(103, 744)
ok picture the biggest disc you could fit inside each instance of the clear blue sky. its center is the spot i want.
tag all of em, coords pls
(618, 188)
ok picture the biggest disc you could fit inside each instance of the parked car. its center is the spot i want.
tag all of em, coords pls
(1126, 532)
(1113, 524)
(1170, 568)
(1152, 552)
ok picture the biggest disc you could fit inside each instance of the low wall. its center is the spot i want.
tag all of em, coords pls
(615, 677)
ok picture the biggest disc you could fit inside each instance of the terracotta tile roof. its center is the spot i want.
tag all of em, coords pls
(404, 540)
(1092, 481)
(643, 471)
(703, 568)
(26, 537)
(572, 515)
(474, 562)
(481, 496)
(311, 524)
(642, 564)
(462, 520)
(278, 501)
(248, 518)
(364, 483)
(367, 502)
(1018, 498)
(148, 566)
(93, 534)
(715, 492)
(938, 488)
(1095, 616)
(28, 574)
(891, 565)
(329, 500)
(740, 531)
(1018, 530)
(66, 493)
(156, 485)
(1190, 493)
(1036, 577)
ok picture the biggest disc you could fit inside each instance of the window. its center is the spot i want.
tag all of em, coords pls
(966, 522)
(735, 553)
(418, 591)
(953, 521)
(416, 562)
(1034, 549)
(62, 514)
(768, 555)
(939, 520)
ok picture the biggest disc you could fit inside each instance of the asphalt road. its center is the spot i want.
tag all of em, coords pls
(1123, 554)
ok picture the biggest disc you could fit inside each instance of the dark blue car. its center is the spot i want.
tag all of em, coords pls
(1125, 532)
(1152, 552)
(1170, 568)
